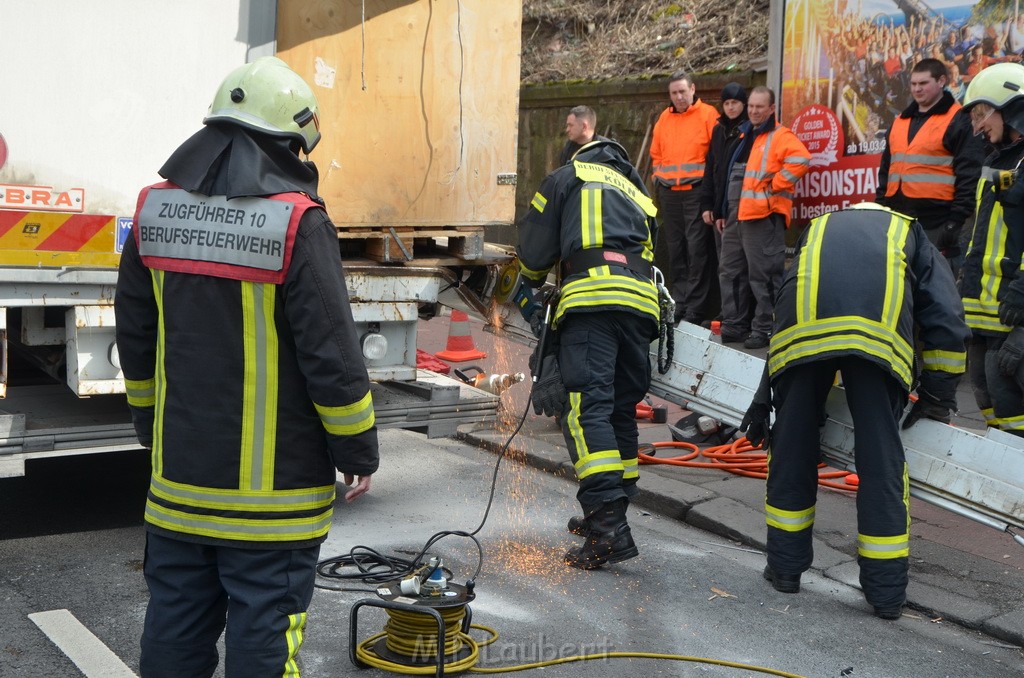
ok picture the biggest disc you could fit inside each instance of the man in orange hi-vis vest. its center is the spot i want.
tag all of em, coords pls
(932, 161)
(679, 149)
(764, 166)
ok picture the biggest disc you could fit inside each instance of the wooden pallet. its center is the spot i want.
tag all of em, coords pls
(402, 243)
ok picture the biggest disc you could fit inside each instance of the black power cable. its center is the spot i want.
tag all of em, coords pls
(373, 567)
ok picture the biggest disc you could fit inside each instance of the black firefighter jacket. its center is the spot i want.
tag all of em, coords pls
(598, 201)
(862, 279)
(250, 394)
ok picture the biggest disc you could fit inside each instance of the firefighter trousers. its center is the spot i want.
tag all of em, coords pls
(606, 369)
(195, 590)
(876, 400)
(1000, 397)
(693, 255)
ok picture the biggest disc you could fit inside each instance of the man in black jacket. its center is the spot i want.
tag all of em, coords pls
(245, 378)
(716, 208)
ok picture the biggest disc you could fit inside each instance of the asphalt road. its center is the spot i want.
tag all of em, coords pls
(71, 538)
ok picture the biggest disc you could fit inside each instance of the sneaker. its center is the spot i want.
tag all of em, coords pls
(783, 583)
(894, 612)
(756, 340)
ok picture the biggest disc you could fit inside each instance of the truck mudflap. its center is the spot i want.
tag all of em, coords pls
(978, 476)
(49, 421)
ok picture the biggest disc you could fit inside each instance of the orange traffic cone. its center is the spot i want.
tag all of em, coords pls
(460, 340)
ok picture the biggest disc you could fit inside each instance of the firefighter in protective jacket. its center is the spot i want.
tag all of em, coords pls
(991, 284)
(594, 219)
(862, 281)
(245, 379)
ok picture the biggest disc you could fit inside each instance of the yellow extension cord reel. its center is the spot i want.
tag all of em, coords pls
(422, 609)
(425, 607)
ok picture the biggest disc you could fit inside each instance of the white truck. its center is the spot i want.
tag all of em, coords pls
(419, 108)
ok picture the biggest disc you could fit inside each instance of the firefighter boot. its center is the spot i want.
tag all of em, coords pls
(609, 540)
(579, 525)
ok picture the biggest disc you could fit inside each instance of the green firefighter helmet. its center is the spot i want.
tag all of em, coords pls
(997, 86)
(268, 96)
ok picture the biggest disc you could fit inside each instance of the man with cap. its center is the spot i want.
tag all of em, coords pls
(991, 283)
(679, 148)
(718, 209)
(245, 379)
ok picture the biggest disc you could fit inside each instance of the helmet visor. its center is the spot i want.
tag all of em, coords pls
(980, 112)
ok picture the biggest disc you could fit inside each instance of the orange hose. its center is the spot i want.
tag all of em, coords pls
(734, 457)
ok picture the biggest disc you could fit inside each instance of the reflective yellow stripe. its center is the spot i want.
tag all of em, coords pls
(141, 393)
(603, 461)
(294, 638)
(588, 171)
(348, 420)
(221, 499)
(607, 281)
(995, 248)
(807, 273)
(531, 274)
(630, 468)
(1012, 423)
(790, 521)
(161, 374)
(259, 388)
(883, 548)
(609, 290)
(841, 333)
(945, 361)
(983, 315)
(572, 420)
(539, 202)
(989, 415)
(243, 529)
(895, 546)
(590, 218)
(895, 272)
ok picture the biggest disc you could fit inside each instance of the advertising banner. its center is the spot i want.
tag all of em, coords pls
(846, 76)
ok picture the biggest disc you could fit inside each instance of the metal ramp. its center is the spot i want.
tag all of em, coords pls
(979, 477)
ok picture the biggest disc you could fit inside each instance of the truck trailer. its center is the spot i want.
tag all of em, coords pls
(419, 108)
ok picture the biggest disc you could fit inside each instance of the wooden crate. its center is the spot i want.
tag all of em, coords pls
(419, 107)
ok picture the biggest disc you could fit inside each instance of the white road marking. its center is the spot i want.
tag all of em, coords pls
(90, 655)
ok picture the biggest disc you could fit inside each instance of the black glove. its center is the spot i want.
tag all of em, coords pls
(1011, 352)
(755, 425)
(548, 393)
(926, 406)
(1011, 307)
(949, 235)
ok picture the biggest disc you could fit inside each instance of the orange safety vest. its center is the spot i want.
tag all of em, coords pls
(679, 147)
(777, 161)
(922, 168)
